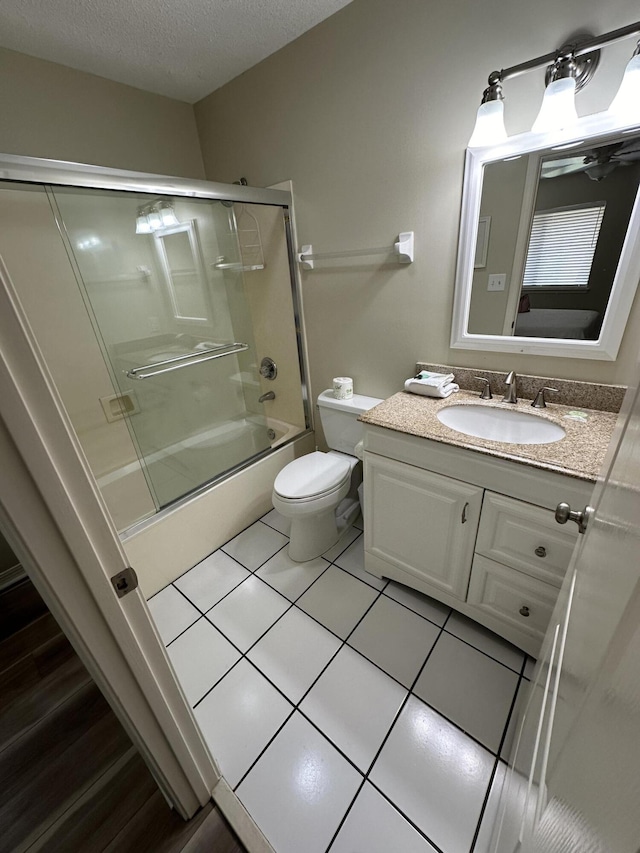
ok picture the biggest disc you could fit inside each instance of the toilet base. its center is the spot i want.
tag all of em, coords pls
(311, 536)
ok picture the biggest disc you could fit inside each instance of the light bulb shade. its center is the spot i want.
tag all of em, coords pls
(558, 110)
(167, 215)
(143, 226)
(155, 220)
(626, 104)
(489, 129)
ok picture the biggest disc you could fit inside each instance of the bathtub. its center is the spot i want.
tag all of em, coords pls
(173, 540)
(177, 469)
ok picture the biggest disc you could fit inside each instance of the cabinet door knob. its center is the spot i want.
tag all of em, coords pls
(524, 610)
(464, 512)
(541, 551)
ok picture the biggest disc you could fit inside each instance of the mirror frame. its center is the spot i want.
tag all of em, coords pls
(595, 128)
(190, 228)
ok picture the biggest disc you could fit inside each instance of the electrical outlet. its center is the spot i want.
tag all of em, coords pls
(497, 281)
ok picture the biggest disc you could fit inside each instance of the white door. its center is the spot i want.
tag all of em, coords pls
(56, 521)
(575, 785)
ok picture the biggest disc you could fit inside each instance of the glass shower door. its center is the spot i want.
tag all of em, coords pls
(163, 281)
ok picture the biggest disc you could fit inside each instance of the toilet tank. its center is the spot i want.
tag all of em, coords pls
(340, 419)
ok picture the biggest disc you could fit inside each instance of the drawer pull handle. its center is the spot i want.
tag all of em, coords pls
(464, 512)
(524, 610)
(541, 551)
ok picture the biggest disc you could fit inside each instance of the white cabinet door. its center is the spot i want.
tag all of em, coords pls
(422, 523)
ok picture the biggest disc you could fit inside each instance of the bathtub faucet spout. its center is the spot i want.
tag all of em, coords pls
(270, 395)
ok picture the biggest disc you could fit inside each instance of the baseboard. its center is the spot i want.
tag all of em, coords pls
(241, 821)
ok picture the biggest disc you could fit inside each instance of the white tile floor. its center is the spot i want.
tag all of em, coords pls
(348, 713)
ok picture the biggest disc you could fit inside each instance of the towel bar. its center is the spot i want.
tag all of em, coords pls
(403, 248)
(187, 360)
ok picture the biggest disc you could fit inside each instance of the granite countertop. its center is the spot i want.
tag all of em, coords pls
(579, 454)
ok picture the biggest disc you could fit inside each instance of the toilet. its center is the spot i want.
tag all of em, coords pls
(315, 491)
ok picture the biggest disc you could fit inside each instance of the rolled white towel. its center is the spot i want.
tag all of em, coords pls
(420, 386)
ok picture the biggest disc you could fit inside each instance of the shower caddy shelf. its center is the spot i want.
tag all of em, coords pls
(187, 360)
(403, 248)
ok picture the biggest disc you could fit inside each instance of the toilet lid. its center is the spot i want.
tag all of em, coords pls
(311, 475)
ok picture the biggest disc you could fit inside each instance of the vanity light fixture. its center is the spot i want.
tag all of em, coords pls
(154, 216)
(568, 70)
(558, 110)
(626, 104)
(143, 226)
(167, 214)
(155, 220)
(490, 129)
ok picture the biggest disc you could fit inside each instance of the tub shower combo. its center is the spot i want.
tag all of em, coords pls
(183, 332)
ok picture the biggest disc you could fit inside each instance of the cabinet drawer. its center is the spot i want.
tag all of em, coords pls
(525, 537)
(523, 603)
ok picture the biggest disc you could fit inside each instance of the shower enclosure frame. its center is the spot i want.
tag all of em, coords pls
(56, 519)
(45, 172)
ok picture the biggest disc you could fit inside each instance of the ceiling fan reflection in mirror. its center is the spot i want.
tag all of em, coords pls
(597, 163)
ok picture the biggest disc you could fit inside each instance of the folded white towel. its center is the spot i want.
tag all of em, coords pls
(434, 379)
(420, 386)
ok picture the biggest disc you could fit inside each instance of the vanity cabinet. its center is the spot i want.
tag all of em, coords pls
(474, 531)
(425, 524)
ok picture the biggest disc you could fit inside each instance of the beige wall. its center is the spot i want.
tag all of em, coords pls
(52, 111)
(502, 193)
(369, 114)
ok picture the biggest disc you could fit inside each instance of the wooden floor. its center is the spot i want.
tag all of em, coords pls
(70, 779)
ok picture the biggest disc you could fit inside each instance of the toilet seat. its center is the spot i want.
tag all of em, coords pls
(312, 476)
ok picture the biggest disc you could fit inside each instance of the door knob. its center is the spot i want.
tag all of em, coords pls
(564, 513)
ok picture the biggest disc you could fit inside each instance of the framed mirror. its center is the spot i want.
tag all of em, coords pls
(178, 250)
(549, 250)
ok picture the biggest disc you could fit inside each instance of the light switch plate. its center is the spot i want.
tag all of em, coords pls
(497, 281)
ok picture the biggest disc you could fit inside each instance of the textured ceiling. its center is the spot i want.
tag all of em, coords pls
(180, 48)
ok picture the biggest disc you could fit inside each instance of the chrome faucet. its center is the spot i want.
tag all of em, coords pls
(511, 392)
(270, 395)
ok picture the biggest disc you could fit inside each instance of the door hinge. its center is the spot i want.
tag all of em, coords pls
(124, 582)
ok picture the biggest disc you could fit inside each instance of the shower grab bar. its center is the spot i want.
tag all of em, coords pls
(185, 360)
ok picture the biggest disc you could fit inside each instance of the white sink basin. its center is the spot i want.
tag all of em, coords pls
(504, 425)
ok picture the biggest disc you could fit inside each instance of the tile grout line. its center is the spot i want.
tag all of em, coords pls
(486, 654)
(485, 802)
(312, 685)
(406, 817)
(382, 745)
(343, 643)
(195, 566)
(296, 706)
(497, 762)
